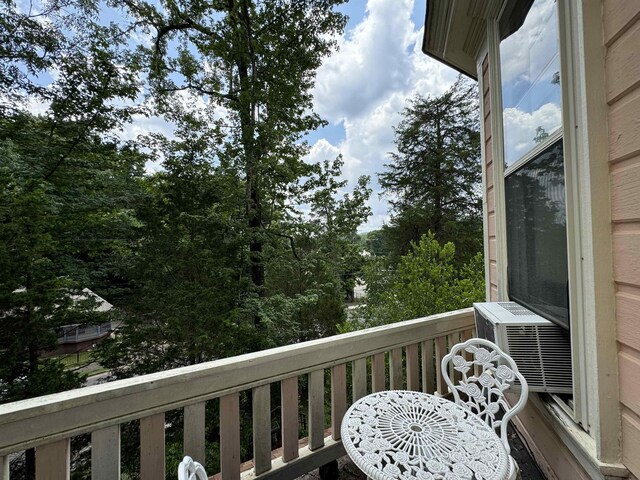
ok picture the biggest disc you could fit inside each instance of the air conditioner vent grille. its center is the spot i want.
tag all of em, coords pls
(542, 354)
(515, 309)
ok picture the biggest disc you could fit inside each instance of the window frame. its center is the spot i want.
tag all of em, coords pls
(591, 289)
(578, 412)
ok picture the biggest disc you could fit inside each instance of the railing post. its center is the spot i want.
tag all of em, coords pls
(359, 378)
(428, 370)
(377, 372)
(441, 349)
(412, 368)
(4, 467)
(152, 447)
(338, 398)
(316, 409)
(261, 428)
(395, 369)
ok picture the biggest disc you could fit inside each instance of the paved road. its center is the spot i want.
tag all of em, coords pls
(95, 379)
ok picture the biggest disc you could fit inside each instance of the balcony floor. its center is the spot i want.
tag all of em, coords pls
(528, 468)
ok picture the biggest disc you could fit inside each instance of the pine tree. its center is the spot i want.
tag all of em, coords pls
(433, 181)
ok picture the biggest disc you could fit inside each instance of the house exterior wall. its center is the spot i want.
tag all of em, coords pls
(621, 22)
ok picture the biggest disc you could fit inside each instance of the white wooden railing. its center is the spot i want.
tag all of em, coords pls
(48, 423)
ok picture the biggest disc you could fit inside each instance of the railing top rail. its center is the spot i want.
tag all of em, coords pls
(43, 419)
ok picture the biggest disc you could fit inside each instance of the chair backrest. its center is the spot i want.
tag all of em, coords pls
(484, 374)
(191, 470)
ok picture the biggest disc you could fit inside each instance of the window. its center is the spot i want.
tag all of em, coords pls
(537, 270)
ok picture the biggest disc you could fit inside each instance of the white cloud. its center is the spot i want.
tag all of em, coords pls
(371, 62)
(520, 128)
(365, 87)
(526, 52)
(322, 150)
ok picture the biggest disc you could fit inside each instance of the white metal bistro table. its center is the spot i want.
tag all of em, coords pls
(402, 435)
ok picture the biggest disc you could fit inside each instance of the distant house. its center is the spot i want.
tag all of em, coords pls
(75, 337)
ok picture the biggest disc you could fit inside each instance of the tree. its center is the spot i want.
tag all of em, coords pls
(57, 171)
(253, 64)
(433, 180)
(56, 237)
(183, 268)
(427, 281)
(328, 256)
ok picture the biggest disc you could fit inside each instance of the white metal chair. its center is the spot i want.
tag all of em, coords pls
(191, 470)
(485, 374)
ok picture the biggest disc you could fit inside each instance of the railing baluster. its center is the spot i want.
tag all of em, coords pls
(194, 431)
(316, 409)
(4, 468)
(105, 453)
(289, 410)
(454, 375)
(338, 398)
(152, 447)
(428, 370)
(53, 460)
(262, 428)
(466, 335)
(359, 378)
(395, 369)
(377, 372)
(412, 367)
(441, 351)
(230, 436)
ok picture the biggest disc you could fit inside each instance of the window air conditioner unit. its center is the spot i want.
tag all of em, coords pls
(540, 348)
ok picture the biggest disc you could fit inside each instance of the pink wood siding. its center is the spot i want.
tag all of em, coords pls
(622, 74)
(490, 193)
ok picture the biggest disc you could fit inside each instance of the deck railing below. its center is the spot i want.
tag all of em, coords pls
(402, 355)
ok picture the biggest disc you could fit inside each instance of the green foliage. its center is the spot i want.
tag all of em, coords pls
(427, 281)
(260, 60)
(52, 233)
(324, 257)
(375, 242)
(434, 178)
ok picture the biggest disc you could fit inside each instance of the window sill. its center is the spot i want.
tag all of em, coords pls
(579, 442)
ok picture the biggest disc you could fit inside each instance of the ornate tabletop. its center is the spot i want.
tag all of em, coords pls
(402, 435)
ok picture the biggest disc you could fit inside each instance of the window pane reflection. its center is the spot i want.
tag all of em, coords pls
(530, 70)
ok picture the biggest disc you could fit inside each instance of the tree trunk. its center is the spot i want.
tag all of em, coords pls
(247, 113)
(437, 217)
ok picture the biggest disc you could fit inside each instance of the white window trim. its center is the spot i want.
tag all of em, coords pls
(482, 52)
(591, 289)
(497, 144)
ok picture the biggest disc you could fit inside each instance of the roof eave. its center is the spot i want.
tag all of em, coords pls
(454, 31)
